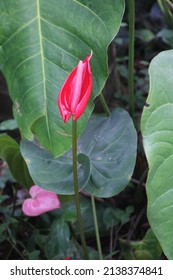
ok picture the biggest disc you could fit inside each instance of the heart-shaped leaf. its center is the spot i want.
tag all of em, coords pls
(104, 153)
(54, 174)
(40, 43)
(10, 152)
(157, 131)
(112, 156)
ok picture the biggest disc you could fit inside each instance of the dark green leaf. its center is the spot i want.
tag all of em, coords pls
(34, 255)
(54, 174)
(103, 144)
(114, 216)
(58, 244)
(10, 152)
(87, 216)
(109, 218)
(111, 144)
(123, 215)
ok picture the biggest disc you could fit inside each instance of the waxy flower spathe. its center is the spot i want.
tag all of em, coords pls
(41, 201)
(76, 90)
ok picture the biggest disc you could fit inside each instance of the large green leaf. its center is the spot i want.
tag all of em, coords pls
(53, 174)
(10, 152)
(104, 153)
(40, 43)
(157, 130)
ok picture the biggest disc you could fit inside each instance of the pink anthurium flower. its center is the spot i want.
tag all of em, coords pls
(76, 90)
(41, 201)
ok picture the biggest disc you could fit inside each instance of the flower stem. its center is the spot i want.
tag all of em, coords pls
(131, 55)
(96, 228)
(76, 188)
(104, 105)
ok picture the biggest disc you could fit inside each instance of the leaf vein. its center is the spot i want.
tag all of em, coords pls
(18, 30)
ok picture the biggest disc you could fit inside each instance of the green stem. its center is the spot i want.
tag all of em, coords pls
(96, 228)
(131, 55)
(76, 188)
(104, 105)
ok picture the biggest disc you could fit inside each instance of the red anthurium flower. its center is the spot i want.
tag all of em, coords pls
(41, 201)
(76, 90)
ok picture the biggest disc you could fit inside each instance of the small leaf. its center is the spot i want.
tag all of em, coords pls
(115, 216)
(144, 35)
(8, 125)
(58, 244)
(123, 215)
(54, 174)
(109, 218)
(167, 36)
(34, 255)
(10, 152)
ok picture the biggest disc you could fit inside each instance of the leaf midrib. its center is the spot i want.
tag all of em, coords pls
(44, 72)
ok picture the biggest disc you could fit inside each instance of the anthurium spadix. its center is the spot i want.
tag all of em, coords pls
(76, 90)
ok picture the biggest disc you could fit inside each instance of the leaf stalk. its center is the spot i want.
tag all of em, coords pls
(104, 104)
(131, 56)
(96, 228)
(76, 188)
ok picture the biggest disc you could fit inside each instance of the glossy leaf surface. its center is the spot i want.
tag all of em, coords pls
(53, 174)
(157, 130)
(103, 151)
(112, 156)
(40, 43)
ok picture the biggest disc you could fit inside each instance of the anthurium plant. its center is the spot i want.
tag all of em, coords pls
(53, 55)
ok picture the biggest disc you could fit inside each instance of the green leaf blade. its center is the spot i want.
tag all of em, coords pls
(156, 125)
(54, 174)
(41, 42)
(10, 152)
(112, 156)
(105, 159)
